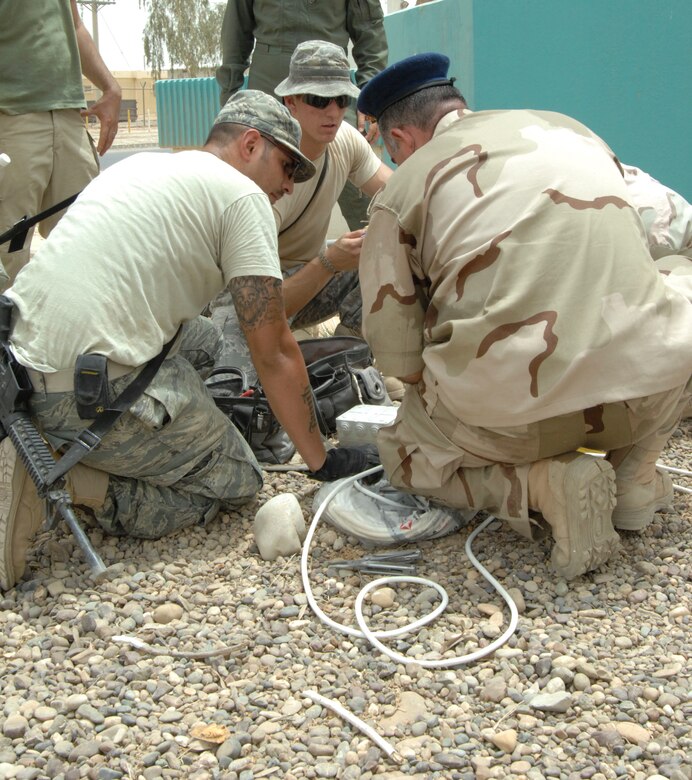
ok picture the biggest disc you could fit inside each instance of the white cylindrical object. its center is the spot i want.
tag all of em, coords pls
(4, 160)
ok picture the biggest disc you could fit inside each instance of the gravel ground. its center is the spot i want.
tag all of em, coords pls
(593, 684)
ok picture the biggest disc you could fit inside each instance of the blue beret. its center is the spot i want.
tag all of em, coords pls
(402, 79)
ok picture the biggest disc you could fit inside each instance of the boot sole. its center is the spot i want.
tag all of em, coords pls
(8, 512)
(589, 487)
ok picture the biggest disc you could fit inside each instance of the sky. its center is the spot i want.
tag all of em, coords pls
(120, 28)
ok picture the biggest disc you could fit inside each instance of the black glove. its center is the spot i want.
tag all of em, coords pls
(346, 461)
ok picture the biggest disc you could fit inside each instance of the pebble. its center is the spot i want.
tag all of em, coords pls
(633, 732)
(15, 726)
(505, 740)
(383, 597)
(552, 702)
(166, 613)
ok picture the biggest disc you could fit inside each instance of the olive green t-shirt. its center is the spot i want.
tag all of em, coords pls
(39, 58)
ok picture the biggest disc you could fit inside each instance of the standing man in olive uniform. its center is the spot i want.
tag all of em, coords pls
(276, 27)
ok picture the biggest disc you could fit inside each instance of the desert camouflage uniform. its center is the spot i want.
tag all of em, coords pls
(183, 458)
(504, 262)
(666, 215)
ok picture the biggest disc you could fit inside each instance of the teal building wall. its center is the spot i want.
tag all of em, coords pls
(622, 67)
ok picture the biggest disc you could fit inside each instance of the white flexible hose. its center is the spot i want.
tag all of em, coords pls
(369, 731)
(674, 470)
(374, 636)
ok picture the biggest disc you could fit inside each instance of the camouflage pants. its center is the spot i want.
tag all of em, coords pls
(173, 459)
(468, 467)
(340, 296)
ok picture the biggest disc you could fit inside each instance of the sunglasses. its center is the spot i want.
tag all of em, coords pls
(290, 166)
(319, 101)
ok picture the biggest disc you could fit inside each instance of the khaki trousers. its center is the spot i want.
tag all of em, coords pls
(464, 466)
(52, 157)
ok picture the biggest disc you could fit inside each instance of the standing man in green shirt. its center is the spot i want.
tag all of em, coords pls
(276, 27)
(44, 50)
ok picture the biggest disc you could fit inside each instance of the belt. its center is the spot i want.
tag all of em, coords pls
(268, 48)
(63, 381)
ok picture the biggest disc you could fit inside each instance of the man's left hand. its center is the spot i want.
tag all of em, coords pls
(107, 109)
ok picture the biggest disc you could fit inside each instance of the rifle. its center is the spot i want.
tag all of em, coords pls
(16, 422)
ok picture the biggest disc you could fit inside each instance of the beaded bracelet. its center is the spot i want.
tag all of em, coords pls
(326, 262)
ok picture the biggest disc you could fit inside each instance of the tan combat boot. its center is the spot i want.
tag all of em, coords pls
(641, 489)
(21, 514)
(576, 495)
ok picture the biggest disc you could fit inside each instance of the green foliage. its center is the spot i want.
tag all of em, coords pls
(182, 34)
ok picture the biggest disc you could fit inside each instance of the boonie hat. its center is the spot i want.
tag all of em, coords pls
(318, 68)
(265, 114)
(402, 79)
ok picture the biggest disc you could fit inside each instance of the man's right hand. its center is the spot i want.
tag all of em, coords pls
(345, 462)
(344, 253)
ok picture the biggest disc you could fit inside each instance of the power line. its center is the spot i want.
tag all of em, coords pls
(95, 5)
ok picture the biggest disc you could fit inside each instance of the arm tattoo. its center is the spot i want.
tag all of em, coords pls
(257, 300)
(307, 400)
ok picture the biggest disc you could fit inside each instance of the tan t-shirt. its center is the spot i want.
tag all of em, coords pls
(302, 232)
(144, 248)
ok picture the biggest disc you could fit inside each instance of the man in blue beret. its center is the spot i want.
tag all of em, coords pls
(507, 280)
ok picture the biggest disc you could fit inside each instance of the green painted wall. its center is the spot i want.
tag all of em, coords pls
(623, 67)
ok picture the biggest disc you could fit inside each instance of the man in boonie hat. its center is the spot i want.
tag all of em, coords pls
(132, 263)
(267, 32)
(506, 279)
(319, 280)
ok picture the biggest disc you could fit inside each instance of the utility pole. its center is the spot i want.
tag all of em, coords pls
(95, 5)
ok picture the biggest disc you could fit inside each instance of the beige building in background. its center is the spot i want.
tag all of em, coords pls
(138, 95)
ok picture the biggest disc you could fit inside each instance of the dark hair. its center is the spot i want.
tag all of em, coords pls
(422, 109)
(225, 132)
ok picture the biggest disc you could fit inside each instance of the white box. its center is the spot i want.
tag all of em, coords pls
(359, 425)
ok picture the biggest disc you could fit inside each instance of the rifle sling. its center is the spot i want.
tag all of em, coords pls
(323, 173)
(90, 438)
(17, 234)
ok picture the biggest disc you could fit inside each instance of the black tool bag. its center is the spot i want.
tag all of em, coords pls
(248, 409)
(341, 375)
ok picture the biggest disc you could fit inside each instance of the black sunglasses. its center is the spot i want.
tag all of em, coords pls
(291, 167)
(319, 101)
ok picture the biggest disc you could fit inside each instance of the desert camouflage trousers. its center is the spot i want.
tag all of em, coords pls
(173, 459)
(340, 296)
(467, 467)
